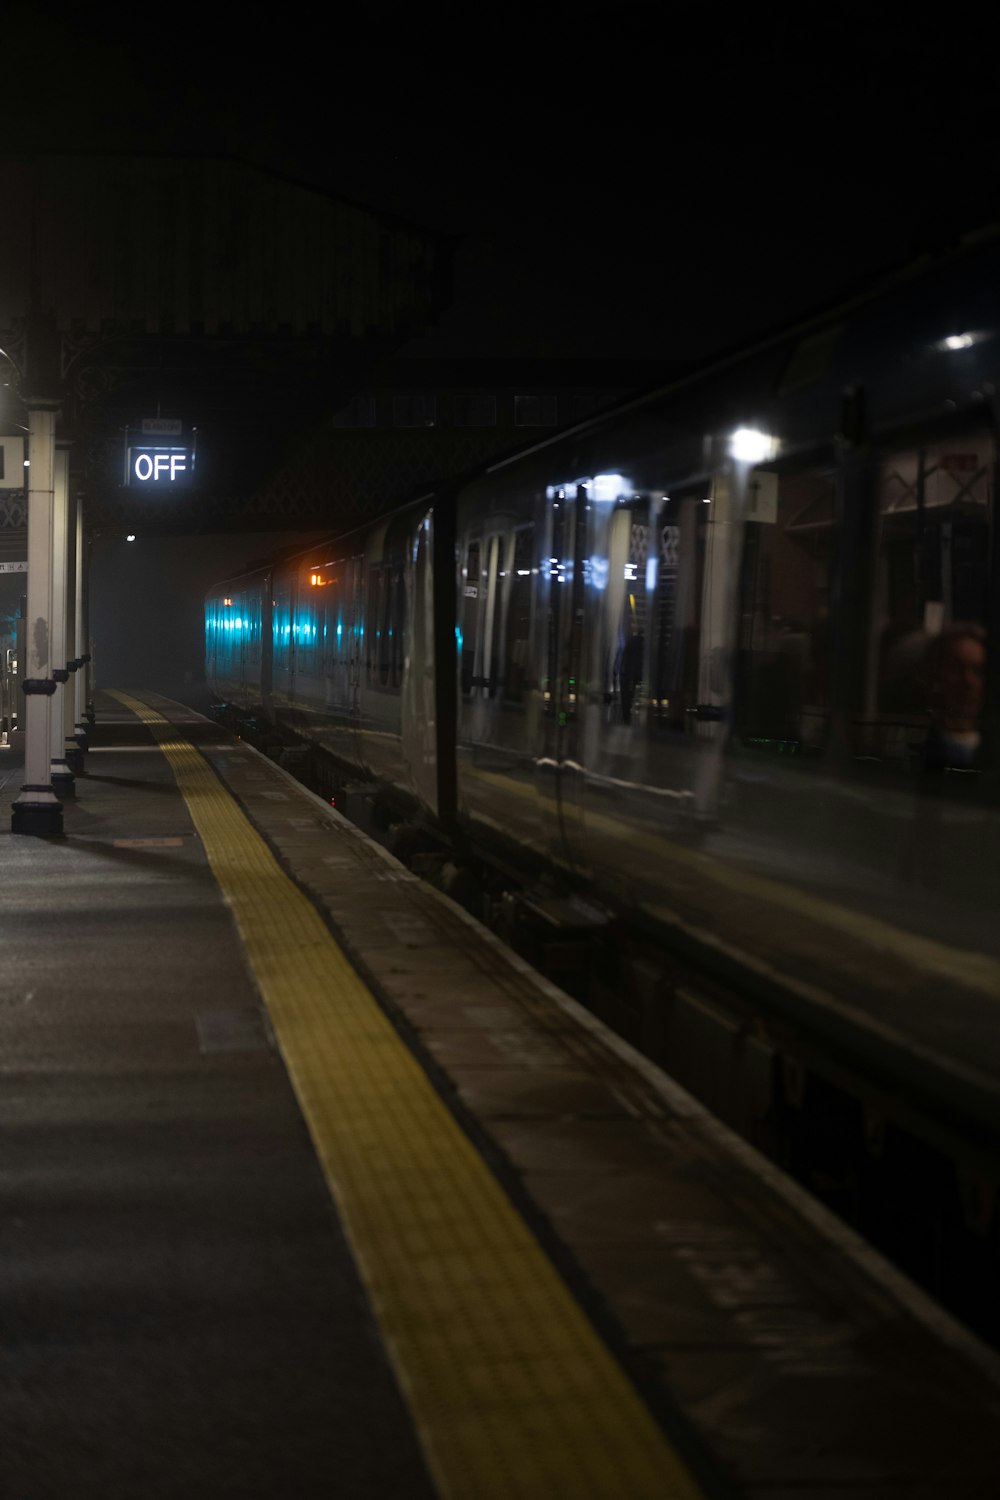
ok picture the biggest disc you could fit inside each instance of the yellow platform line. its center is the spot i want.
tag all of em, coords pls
(511, 1391)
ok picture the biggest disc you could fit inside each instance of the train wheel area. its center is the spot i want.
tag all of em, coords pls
(318, 1186)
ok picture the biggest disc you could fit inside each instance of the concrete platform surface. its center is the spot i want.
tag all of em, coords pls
(179, 1312)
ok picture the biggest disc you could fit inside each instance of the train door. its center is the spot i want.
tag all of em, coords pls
(493, 624)
(621, 669)
(564, 635)
(468, 615)
(561, 780)
(419, 720)
(266, 628)
(244, 627)
(482, 616)
(282, 639)
(354, 626)
(679, 570)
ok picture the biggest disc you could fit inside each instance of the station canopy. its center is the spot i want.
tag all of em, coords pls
(210, 295)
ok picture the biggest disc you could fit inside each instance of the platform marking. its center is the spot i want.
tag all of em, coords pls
(513, 1394)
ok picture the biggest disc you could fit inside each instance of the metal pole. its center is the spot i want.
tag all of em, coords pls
(80, 651)
(90, 686)
(63, 781)
(37, 810)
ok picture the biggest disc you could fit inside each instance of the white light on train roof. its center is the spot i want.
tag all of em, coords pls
(748, 445)
(130, 537)
(610, 486)
(959, 341)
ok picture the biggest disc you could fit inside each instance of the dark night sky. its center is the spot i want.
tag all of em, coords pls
(628, 179)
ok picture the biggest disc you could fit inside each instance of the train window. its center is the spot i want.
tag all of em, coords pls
(397, 626)
(304, 634)
(373, 618)
(782, 689)
(389, 625)
(281, 628)
(383, 636)
(471, 590)
(930, 594)
(516, 645)
(625, 606)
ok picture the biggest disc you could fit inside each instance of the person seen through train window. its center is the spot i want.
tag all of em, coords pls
(955, 673)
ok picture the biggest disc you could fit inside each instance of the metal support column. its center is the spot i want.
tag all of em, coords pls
(73, 750)
(63, 781)
(37, 810)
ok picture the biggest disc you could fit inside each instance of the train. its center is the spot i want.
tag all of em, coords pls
(723, 658)
(715, 673)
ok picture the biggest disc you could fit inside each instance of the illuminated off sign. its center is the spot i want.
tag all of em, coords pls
(160, 467)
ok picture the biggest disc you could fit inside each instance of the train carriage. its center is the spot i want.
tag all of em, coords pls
(707, 622)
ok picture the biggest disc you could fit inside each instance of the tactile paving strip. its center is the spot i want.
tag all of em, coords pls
(512, 1392)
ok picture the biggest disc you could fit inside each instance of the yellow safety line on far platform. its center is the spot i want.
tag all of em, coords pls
(512, 1392)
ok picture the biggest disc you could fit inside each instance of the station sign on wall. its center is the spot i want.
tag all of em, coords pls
(159, 456)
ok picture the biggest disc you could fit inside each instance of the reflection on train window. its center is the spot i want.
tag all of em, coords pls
(470, 617)
(783, 649)
(495, 603)
(626, 604)
(519, 616)
(935, 506)
(680, 557)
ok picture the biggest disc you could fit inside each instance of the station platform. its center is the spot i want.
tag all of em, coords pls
(310, 1186)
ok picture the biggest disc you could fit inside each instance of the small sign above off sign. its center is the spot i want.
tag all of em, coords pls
(167, 426)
